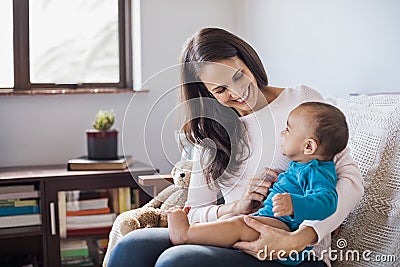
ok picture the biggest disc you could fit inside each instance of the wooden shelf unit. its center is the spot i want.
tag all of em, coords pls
(44, 240)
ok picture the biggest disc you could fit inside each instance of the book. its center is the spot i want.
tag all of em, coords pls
(90, 204)
(92, 194)
(7, 203)
(74, 248)
(121, 200)
(89, 231)
(7, 211)
(88, 212)
(135, 198)
(84, 164)
(127, 198)
(77, 261)
(75, 253)
(73, 244)
(19, 195)
(20, 220)
(72, 195)
(114, 199)
(27, 202)
(88, 226)
(90, 219)
(17, 188)
(124, 199)
(18, 203)
(62, 210)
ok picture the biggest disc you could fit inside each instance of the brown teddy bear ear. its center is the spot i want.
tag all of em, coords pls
(128, 225)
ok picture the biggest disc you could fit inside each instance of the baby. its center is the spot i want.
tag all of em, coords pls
(314, 134)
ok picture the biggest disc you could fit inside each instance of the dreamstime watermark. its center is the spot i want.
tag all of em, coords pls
(339, 254)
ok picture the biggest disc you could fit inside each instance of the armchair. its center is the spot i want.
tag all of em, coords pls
(374, 225)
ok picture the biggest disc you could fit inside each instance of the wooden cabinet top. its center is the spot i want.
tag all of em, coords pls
(51, 171)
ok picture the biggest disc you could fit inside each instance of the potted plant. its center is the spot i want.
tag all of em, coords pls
(102, 141)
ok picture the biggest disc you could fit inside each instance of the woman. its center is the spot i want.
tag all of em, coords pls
(234, 119)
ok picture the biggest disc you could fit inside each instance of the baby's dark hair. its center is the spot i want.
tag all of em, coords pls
(330, 127)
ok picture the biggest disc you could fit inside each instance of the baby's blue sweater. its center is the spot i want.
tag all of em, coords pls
(312, 186)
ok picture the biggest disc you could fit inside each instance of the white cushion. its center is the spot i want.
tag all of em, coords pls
(374, 225)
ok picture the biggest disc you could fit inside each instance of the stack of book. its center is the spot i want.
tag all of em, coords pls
(124, 199)
(83, 163)
(75, 253)
(87, 213)
(19, 206)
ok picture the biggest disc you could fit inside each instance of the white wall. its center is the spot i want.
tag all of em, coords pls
(335, 46)
(51, 129)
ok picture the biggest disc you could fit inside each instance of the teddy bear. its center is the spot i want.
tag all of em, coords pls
(152, 214)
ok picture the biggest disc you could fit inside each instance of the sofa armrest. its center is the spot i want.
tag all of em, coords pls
(158, 181)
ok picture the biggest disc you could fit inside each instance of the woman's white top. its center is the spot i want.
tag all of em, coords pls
(263, 129)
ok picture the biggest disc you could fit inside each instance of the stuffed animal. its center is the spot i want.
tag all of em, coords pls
(152, 214)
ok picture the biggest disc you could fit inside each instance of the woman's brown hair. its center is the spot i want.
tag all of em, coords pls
(206, 118)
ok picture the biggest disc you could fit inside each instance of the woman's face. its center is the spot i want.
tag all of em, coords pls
(232, 84)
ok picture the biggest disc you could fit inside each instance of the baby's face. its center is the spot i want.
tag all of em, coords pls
(294, 136)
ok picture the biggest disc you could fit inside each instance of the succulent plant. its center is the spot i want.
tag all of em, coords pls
(104, 120)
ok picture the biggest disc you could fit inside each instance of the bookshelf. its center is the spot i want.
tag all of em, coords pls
(43, 241)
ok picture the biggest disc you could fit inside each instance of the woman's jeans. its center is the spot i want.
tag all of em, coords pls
(151, 247)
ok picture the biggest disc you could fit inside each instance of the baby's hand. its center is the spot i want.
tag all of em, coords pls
(282, 205)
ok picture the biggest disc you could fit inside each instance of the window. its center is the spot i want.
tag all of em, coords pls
(65, 44)
(6, 44)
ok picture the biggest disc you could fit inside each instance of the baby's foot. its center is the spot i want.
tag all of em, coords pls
(178, 226)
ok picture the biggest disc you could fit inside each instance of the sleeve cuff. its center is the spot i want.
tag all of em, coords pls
(312, 224)
(203, 214)
(213, 213)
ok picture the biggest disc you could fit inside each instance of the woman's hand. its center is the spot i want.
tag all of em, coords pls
(274, 242)
(256, 192)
